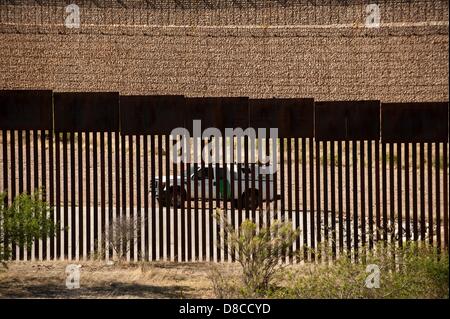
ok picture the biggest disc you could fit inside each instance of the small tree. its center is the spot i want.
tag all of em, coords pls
(120, 234)
(259, 250)
(24, 221)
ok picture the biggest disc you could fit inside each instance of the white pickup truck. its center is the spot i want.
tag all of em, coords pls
(249, 197)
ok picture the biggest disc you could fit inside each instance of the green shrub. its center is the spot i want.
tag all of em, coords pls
(25, 220)
(416, 270)
(258, 251)
(412, 271)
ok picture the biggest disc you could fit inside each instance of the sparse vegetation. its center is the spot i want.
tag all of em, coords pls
(258, 251)
(416, 271)
(121, 232)
(25, 220)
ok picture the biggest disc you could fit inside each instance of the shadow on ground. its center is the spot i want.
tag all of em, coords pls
(34, 288)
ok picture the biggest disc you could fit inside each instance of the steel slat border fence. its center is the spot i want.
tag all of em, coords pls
(343, 188)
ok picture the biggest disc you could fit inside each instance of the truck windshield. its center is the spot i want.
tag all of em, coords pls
(201, 173)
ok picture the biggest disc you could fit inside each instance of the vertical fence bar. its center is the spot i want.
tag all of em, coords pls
(139, 220)
(88, 194)
(101, 218)
(202, 214)
(253, 180)
(146, 219)
(36, 254)
(414, 192)
(305, 201)
(260, 214)
(117, 163)
(182, 221)
(51, 254)
(5, 163)
(189, 254)
(133, 248)
(347, 197)
(391, 193)
(333, 199)
(94, 226)
(422, 191)
(289, 185)
(5, 178)
(72, 226)
(370, 192)
(45, 190)
(340, 199)
(239, 177)
(318, 199)
(362, 191)
(19, 249)
(355, 198)
(178, 199)
(384, 188)
(377, 192)
(195, 252)
(229, 159)
(407, 194)
(13, 181)
(446, 194)
(325, 197)
(232, 192)
(58, 236)
(267, 179)
(169, 210)
(281, 213)
(216, 230)
(225, 182)
(187, 225)
(311, 199)
(65, 245)
(210, 210)
(437, 150)
(297, 196)
(109, 222)
(27, 253)
(430, 192)
(246, 176)
(399, 194)
(27, 161)
(3, 190)
(153, 199)
(80, 214)
(124, 215)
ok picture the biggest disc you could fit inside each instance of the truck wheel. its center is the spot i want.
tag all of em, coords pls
(250, 200)
(180, 197)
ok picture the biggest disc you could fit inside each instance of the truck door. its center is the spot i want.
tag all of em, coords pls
(223, 183)
(202, 174)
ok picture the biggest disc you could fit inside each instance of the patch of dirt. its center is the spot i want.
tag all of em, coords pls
(98, 280)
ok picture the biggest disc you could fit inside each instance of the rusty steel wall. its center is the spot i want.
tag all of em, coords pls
(217, 48)
(378, 172)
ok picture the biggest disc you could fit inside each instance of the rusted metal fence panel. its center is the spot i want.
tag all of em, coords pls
(414, 122)
(86, 112)
(26, 120)
(355, 127)
(26, 110)
(347, 120)
(423, 127)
